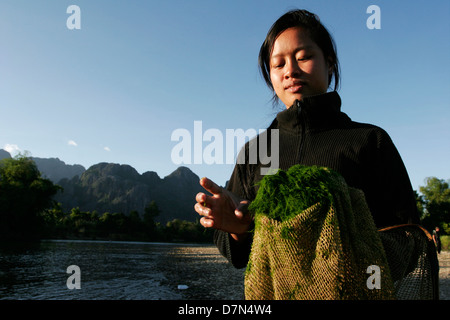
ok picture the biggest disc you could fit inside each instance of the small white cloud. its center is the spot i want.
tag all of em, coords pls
(11, 148)
(72, 143)
(107, 149)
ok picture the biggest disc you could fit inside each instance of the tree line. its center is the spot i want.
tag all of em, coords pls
(27, 212)
(434, 204)
(78, 224)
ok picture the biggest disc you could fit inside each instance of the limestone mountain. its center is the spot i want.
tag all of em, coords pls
(55, 169)
(52, 168)
(4, 154)
(110, 187)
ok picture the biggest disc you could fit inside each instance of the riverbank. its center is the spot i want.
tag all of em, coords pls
(209, 276)
(444, 275)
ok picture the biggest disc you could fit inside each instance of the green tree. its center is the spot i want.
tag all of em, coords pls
(134, 225)
(151, 211)
(420, 204)
(182, 230)
(53, 222)
(112, 225)
(84, 223)
(24, 194)
(436, 204)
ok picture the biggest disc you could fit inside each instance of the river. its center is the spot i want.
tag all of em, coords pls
(113, 270)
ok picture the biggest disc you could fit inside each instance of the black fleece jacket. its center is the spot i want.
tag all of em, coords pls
(314, 131)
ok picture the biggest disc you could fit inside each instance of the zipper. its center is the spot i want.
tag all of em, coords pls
(302, 131)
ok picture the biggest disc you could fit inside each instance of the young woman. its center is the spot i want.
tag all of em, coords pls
(299, 64)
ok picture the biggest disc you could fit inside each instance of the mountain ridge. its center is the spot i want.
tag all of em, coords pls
(112, 187)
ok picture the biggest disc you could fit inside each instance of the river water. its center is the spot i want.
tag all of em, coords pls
(107, 270)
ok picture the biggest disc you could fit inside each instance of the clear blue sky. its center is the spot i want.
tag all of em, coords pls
(115, 90)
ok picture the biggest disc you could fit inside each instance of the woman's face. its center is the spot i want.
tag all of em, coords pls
(297, 67)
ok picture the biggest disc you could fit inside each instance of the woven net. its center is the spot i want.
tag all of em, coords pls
(412, 261)
(314, 239)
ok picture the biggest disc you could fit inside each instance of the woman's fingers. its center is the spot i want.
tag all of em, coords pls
(202, 210)
(242, 209)
(204, 201)
(200, 198)
(222, 209)
(207, 222)
(210, 186)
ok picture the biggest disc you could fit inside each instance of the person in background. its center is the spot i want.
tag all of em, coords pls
(437, 239)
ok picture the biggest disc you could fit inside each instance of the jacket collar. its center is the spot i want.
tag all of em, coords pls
(311, 113)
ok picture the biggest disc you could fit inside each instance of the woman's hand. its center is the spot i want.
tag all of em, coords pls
(223, 210)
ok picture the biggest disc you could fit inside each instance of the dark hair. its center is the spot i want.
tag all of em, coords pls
(318, 33)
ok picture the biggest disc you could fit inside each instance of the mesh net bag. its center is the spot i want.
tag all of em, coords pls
(413, 262)
(314, 239)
